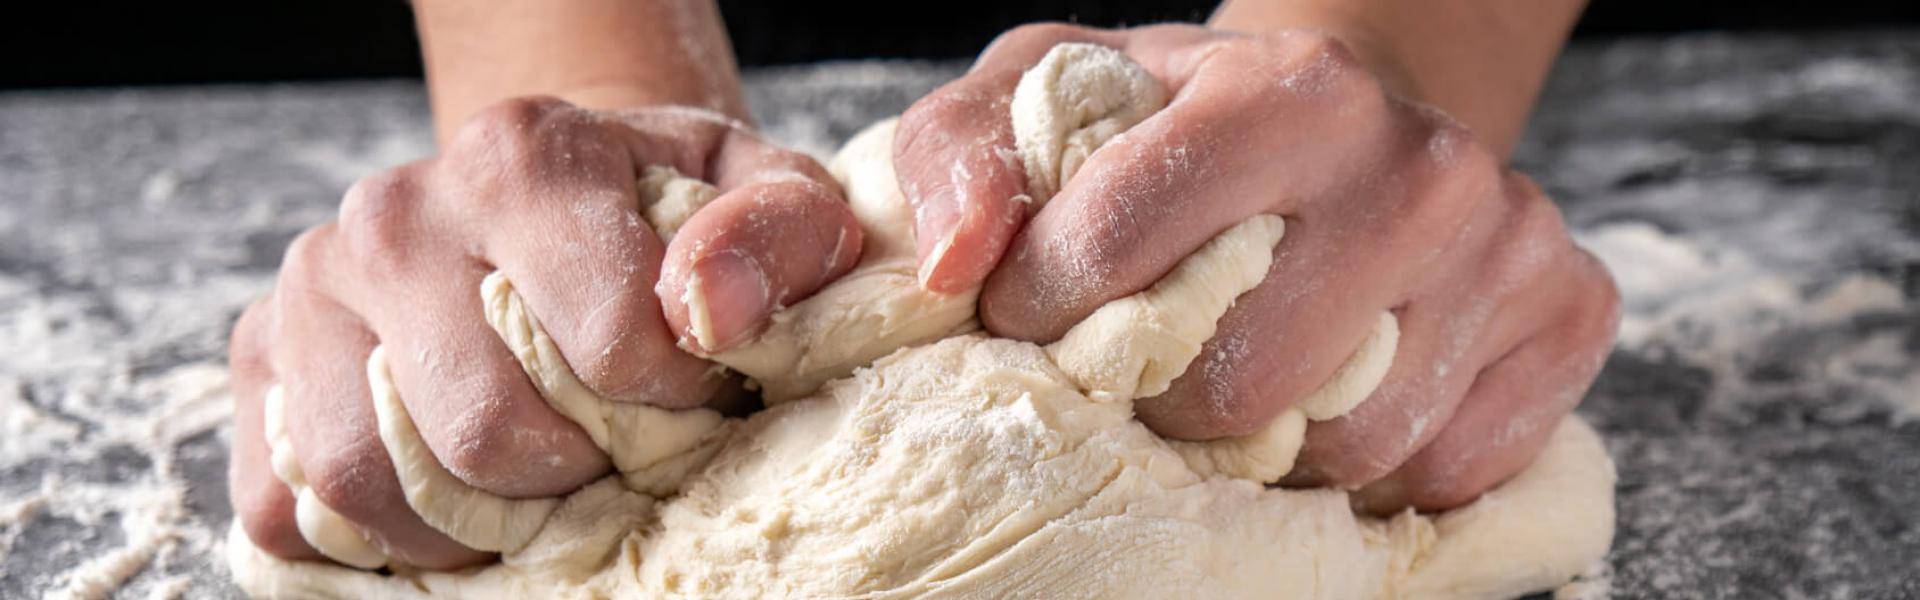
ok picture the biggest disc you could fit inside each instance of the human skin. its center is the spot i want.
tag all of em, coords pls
(1391, 203)
(542, 190)
(383, 273)
(593, 53)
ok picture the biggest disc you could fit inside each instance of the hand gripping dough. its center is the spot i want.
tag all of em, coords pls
(965, 466)
(326, 530)
(1070, 103)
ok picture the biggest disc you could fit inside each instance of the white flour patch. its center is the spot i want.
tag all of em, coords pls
(145, 507)
(1715, 307)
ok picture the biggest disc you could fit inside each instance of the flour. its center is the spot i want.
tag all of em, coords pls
(249, 166)
(1717, 307)
(149, 509)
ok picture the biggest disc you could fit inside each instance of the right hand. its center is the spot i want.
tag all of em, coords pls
(546, 193)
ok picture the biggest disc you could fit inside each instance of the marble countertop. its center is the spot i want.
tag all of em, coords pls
(1758, 197)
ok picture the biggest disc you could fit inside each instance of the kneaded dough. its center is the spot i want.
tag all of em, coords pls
(905, 454)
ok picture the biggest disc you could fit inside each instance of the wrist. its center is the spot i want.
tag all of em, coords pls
(1482, 62)
(596, 53)
(612, 93)
(1365, 38)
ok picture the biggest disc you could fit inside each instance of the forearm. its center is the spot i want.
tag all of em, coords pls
(1482, 61)
(595, 53)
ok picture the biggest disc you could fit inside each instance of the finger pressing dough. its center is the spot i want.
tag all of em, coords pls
(322, 527)
(906, 455)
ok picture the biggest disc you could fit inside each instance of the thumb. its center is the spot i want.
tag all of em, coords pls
(752, 250)
(954, 156)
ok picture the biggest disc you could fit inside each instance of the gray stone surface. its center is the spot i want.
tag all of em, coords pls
(1758, 198)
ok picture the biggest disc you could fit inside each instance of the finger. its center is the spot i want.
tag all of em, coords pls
(474, 404)
(471, 398)
(1277, 344)
(1287, 337)
(1495, 288)
(576, 248)
(750, 252)
(1513, 406)
(261, 501)
(321, 358)
(780, 230)
(1225, 148)
(954, 156)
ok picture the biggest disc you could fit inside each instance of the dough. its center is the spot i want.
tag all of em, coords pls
(326, 530)
(1076, 98)
(876, 308)
(905, 455)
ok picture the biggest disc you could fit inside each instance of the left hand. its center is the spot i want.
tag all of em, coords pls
(1390, 206)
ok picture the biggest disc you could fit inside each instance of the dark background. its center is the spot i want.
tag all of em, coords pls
(96, 43)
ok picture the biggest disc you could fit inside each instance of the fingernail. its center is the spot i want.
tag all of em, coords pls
(725, 298)
(934, 263)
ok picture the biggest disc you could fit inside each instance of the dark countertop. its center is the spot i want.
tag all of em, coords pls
(1757, 197)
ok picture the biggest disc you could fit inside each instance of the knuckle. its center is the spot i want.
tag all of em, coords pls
(1534, 215)
(303, 267)
(515, 153)
(268, 520)
(508, 124)
(503, 430)
(491, 448)
(1455, 174)
(245, 345)
(376, 219)
(1595, 315)
(343, 478)
(1456, 157)
(617, 324)
(1315, 51)
(1534, 242)
(1311, 42)
(492, 457)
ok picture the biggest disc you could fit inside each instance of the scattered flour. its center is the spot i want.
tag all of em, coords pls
(89, 318)
(1716, 307)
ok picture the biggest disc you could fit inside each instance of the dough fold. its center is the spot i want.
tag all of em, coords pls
(469, 515)
(650, 446)
(904, 454)
(876, 308)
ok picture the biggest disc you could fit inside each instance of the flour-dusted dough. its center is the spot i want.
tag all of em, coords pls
(966, 466)
(1070, 103)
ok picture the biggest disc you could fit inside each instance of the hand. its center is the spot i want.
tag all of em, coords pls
(546, 193)
(1390, 205)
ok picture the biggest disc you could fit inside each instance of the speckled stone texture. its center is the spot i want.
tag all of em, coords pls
(1757, 197)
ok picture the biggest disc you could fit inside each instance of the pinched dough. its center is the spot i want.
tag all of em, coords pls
(914, 457)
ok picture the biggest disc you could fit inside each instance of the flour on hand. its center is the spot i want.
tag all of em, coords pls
(905, 454)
